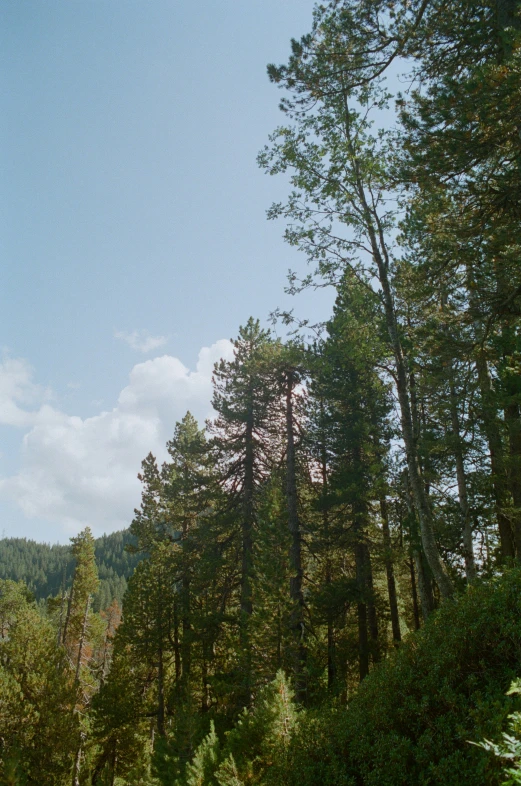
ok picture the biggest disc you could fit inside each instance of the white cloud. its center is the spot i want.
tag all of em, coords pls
(141, 340)
(77, 472)
(17, 390)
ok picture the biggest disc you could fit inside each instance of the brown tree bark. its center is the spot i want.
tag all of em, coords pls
(497, 456)
(513, 421)
(295, 554)
(372, 617)
(375, 234)
(466, 528)
(389, 570)
(424, 587)
(414, 595)
(331, 661)
(361, 608)
(247, 561)
(161, 729)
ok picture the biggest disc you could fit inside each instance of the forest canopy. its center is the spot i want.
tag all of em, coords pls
(326, 583)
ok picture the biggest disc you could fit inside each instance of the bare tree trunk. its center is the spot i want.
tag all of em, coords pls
(177, 650)
(389, 570)
(513, 420)
(295, 555)
(247, 562)
(414, 593)
(497, 458)
(363, 638)
(359, 517)
(76, 767)
(512, 413)
(161, 730)
(204, 664)
(466, 528)
(331, 660)
(380, 255)
(372, 618)
(186, 622)
(424, 588)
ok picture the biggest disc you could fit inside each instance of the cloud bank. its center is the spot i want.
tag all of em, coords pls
(76, 472)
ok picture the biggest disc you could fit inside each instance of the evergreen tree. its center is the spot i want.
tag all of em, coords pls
(340, 176)
(243, 393)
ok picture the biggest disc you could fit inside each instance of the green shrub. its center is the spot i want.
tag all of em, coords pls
(509, 749)
(412, 719)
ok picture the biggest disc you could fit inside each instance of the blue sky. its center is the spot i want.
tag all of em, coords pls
(133, 235)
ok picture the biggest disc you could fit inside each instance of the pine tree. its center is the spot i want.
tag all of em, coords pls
(243, 393)
(341, 181)
(37, 695)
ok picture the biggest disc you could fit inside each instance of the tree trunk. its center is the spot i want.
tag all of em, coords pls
(363, 638)
(62, 605)
(497, 458)
(76, 767)
(361, 565)
(389, 570)
(247, 562)
(466, 528)
(513, 421)
(421, 503)
(414, 594)
(331, 660)
(186, 622)
(512, 411)
(372, 618)
(424, 588)
(113, 763)
(82, 641)
(295, 554)
(423, 583)
(177, 651)
(161, 695)
(69, 609)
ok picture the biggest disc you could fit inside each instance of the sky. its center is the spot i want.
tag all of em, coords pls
(133, 235)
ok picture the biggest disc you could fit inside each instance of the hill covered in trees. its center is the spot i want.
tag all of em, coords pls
(48, 569)
(329, 590)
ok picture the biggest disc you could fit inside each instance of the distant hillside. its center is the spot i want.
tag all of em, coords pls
(44, 568)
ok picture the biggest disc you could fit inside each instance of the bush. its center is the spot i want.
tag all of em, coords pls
(412, 719)
(509, 749)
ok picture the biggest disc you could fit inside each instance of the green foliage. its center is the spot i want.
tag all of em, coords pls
(43, 567)
(341, 485)
(410, 720)
(254, 751)
(36, 695)
(200, 771)
(509, 748)
(262, 735)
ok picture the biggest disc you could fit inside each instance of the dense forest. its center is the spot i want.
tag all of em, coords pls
(328, 587)
(47, 570)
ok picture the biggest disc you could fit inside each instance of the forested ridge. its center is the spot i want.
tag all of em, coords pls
(329, 579)
(47, 569)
